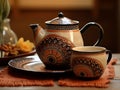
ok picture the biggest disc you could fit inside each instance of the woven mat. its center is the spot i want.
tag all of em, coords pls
(8, 78)
(12, 79)
(102, 82)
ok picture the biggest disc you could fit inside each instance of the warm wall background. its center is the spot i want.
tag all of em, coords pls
(105, 12)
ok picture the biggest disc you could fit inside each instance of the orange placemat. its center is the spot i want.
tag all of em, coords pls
(102, 82)
(8, 78)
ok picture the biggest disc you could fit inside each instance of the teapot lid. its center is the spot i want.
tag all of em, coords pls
(61, 20)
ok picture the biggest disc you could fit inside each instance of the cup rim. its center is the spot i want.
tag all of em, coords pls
(92, 49)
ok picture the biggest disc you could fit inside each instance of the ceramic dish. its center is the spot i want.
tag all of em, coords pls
(5, 60)
(33, 66)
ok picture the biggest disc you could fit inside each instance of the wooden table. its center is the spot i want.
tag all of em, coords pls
(114, 85)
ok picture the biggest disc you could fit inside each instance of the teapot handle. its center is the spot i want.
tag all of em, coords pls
(109, 55)
(101, 32)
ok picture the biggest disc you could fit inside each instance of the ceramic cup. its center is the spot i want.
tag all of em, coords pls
(89, 62)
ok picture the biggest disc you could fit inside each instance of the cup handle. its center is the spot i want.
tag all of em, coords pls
(101, 31)
(109, 55)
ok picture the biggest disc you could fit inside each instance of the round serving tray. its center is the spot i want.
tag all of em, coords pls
(33, 66)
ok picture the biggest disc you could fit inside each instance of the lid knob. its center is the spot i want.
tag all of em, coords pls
(60, 15)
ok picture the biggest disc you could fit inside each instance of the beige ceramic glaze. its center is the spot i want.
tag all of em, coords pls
(89, 61)
(54, 43)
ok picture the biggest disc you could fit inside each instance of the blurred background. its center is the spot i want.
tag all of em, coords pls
(104, 12)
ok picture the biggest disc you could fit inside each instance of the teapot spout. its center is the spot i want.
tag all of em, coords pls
(38, 32)
(34, 27)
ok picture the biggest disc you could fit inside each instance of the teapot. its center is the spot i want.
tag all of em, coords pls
(54, 44)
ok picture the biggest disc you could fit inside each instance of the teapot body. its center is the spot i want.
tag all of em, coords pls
(54, 44)
(54, 49)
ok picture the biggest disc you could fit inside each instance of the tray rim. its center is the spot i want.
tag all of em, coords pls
(33, 59)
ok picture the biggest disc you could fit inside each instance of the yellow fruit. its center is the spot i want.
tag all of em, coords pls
(25, 46)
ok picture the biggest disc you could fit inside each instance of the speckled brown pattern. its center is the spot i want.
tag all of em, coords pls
(55, 51)
(86, 67)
